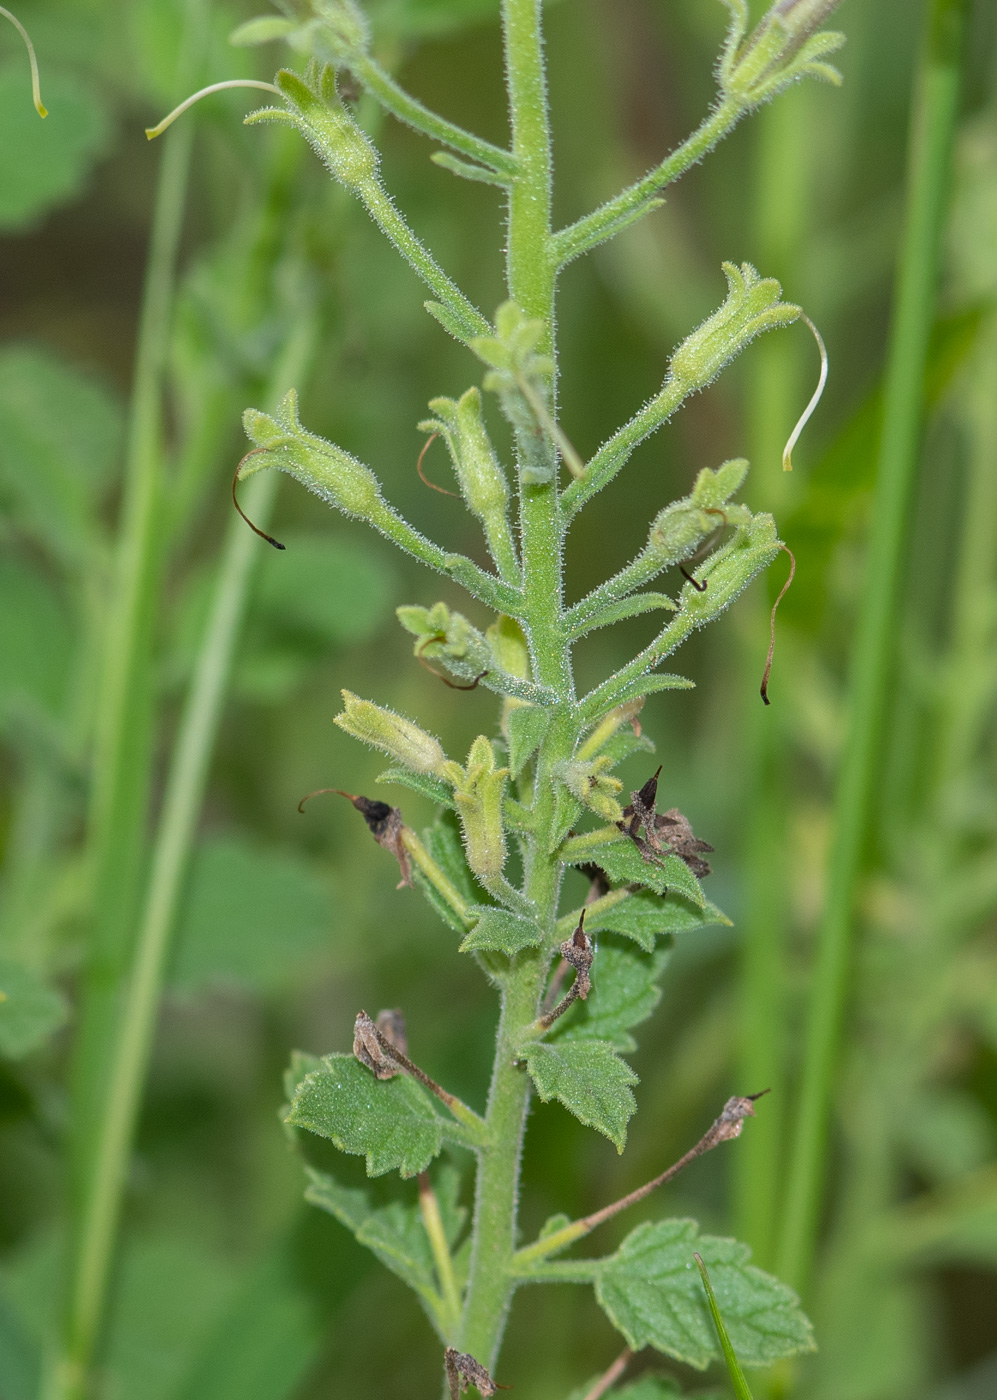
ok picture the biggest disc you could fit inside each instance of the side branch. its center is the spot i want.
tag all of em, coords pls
(640, 198)
(726, 1127)
(394, 99)
(614, 454)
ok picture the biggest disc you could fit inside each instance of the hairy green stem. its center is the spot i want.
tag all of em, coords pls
(408, 109)
(530, 278)
(933, 123)
(639, 197)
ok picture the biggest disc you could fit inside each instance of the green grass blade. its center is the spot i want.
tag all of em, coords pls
(737, 1379)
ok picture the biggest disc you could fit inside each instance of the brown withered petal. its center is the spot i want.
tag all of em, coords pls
(577, 952)
(675, 831)
(464, 1370)
(368, 1050)
(386, 826)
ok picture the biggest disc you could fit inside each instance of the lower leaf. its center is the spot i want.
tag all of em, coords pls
(590, 1079)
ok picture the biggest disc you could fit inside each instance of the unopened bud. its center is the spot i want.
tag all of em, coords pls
(482, 481)
(398, 738)
(478, 796)
(784, 46)
(728, 572)
(753, 305)
(448, 636)
(593, 785)
(331, 129)
(327, 470)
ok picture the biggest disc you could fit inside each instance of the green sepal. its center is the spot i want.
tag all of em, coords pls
(625, 744)
(754, 304)
(625, 865)
(623, 608)
(393, 1123)
(451, 323)
(589, 1079)
(643, 686)
(498, 931)
(651, 1292)
(426, 786)
(643, 916)
(467, 170)
(624, 994)
(525, 726)
(567, 810)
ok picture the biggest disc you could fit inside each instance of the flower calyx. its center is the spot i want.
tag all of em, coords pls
(370, 1039)
(281, 441)
(520, 375)
(399, 738)
(754, 304)
(463, 1370)
(591, 783)
(478, 793)
(786, 45)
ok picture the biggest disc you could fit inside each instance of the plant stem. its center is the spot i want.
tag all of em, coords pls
(530, 278)
(429, 1207)
(933, 123)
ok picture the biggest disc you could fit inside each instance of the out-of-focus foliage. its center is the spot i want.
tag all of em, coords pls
(292, 921)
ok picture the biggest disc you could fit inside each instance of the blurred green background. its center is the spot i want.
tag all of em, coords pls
(227, 1285)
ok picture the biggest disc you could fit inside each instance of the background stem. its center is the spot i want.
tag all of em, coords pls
(932, 125)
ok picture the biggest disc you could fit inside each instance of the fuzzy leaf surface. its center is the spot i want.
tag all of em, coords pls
(391, 1122)
(498, 931)
(643, 916)
(590, 1079)
(624, 994)
(625, 865)
(652, 1292)
(423, 783)
(526, 725)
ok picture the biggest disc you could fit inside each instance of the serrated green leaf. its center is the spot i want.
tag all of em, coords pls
(590, 1079)
(30, 1010)
(421, 783)
(625, 865)
(498, 931)
(394, 1233)
(624, 994)
(526, 726)
(624, 744)
(251, 917)
(391, 1122)
(643, 916)
(652, 1292)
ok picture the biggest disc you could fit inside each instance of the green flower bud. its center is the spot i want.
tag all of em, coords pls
(517, 371)
(398, 738)
(344, 32)
(729, 571)
(327, 470)
(593, 786)
(784, 46)
(608, 725)
(478, 796)
(482, 481)
(753, 305)
(330, 128)
(447, 636)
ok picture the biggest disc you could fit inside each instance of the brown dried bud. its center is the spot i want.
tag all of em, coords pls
(732, 1117)
(386, 826)
(577, 952)
(464, 1370)
(669, 831)
(367, 1047)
